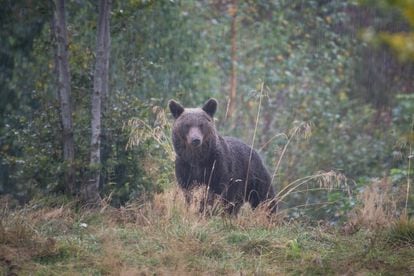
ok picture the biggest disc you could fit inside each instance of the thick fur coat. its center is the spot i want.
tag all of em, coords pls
(229, 167)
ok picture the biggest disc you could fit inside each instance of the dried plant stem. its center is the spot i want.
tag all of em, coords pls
(206, 195)
(313, 204)
(295, 131)
(293, 186)
(254, 137)
(410, 156)
(271, 139)
(141, 131)
(314, 190)
(408, 181)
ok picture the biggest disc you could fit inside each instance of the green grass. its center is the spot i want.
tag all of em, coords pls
(166, 237)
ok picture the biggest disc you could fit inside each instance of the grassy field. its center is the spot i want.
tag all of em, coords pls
(165, 237)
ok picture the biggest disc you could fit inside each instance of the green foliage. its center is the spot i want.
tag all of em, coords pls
(160, 52)
(354, 99)
(123, 168)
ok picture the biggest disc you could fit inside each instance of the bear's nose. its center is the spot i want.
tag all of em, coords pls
(195, 142)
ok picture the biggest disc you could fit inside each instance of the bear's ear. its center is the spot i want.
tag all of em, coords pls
(175, 108)
(210, 107)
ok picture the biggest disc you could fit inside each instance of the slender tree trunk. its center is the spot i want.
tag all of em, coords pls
(62, 66)
(100, 92)
(105, 138)
(233, 78)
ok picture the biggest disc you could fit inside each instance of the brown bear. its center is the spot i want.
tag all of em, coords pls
(229, 167)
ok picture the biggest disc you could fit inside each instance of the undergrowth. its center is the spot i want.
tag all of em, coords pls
(165, 236)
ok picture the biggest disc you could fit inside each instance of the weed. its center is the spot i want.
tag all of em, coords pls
(294, 250)
(21, 242)
(410, 157)
(402, 232)
(377, 208)
(141, 131)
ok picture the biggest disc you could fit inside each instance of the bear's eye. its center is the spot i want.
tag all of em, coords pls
(201, 126)
(187, 126)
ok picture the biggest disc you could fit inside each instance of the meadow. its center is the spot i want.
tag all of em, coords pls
(164, 236)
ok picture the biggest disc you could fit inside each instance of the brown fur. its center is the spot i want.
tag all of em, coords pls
(203, 157)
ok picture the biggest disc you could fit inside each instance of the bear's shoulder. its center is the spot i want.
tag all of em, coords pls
(234, 142)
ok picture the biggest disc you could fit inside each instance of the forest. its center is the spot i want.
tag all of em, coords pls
(322, 89)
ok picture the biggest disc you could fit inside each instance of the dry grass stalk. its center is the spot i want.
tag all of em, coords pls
(300, 128)
(171, 204)
(378, 207)
(326, 181)
(410, 156)
(254, 138)
(20, 240)
(141, 131)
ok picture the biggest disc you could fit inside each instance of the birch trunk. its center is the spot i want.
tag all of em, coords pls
(99, 94)
(62, 66)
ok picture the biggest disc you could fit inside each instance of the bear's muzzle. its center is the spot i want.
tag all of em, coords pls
(194, 137)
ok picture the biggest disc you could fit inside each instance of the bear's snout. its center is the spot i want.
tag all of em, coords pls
(195, 137)
(196, 142)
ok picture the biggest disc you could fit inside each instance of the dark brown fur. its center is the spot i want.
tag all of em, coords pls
(203, 157)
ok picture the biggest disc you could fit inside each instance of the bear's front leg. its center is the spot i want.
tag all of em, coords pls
(207, 202)
(233, 196)
(183, 174)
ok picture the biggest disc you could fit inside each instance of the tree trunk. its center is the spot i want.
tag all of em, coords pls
(233, 77)
(62, 66)
(99, 94)
(105, 137)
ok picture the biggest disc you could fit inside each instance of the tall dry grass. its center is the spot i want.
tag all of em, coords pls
(159, 131)
(21, 239)
(166, 236)
(377, 207)
(410, 157)
(171, 204)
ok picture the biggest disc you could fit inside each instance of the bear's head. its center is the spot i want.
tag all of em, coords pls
(193, 128)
